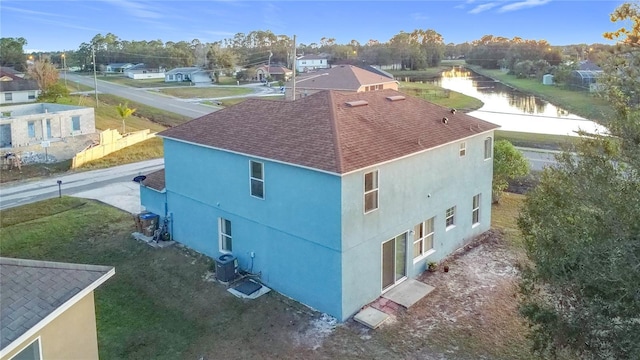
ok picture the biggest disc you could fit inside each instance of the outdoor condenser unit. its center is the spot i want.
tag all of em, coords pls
(226, 268)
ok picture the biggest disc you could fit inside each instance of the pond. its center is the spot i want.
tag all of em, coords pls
(511, 109)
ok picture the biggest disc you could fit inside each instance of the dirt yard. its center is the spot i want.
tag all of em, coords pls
(471, 314)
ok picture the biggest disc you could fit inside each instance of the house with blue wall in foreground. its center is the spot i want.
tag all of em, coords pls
(334, 198)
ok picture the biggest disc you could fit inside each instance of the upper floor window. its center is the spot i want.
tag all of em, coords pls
(463, 148)
(75, 123)
(30, 352)
(488, 147)
(370, 191)
(475, 212)
(450, 217)
(257, 179)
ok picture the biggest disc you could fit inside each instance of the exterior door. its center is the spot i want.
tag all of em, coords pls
(394, 261)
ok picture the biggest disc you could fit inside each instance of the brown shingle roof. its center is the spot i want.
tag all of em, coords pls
(322, 131)
(343, 77)
(155, 180)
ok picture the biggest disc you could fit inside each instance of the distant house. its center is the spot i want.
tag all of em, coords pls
(341, 77)
(24, 125)
(192, 74)
(140, 71)
(47, 309)
(278, 73)
(333, 199)
(15, 90)
(311, 62)
(117, 67)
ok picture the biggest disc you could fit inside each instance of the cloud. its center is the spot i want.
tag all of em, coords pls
(522, 5)
(419, 16)
(137, 9)
(483, 7)
(32, 12)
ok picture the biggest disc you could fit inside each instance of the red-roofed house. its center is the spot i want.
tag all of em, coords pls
(272, 72)
(334, 198)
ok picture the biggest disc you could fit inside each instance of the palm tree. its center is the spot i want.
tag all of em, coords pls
(124, 111)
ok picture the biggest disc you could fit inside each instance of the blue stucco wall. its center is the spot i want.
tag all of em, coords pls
(153, 200)
(294, 232)
(411, 190)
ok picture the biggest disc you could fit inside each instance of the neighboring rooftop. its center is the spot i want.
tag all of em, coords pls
(326, 131)
(32, 290)
(341, 77)
(155, 180)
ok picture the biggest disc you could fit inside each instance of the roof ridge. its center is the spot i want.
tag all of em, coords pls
(334, 131)
(52, 264)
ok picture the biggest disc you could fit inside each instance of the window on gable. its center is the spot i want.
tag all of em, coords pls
(450, 217)
(225, 239)
(75, 123)
(30, 352)
(475, 212)
(8, 96)
(257, 179)
(423, 238)
(370, 191)
(463, 148)
(488, 147)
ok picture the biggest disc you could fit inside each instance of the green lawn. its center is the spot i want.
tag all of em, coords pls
(581, 103)
(206, 92)
(142, 83)
(159, 305)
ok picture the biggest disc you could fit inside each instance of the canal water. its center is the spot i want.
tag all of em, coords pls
(512, 109)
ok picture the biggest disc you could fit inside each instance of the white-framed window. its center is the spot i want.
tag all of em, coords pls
(256, 179)
(488, 148)
(475, 212)
(450, 217)
(75, 123)
(32, 351)
(8, 96)
(370, 191)
(423, 238)
(463, 148)
(31, 95)
(226, 243)
(31, 129)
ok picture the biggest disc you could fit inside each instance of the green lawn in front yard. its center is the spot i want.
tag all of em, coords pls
(143, 83)
(160, 306)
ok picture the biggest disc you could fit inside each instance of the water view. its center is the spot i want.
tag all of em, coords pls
(512, 109)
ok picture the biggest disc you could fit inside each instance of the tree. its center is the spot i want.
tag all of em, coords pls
(582, 234)
(12, 53)
(44, 73)
(53, 93)
(508, 164)
(124, 111)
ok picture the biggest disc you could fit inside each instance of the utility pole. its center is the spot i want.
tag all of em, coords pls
(95, 77)
(64, 68)
(294, 68)
(269, 66)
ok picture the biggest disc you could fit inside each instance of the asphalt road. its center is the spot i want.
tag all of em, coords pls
(95, 184)
(146, 97)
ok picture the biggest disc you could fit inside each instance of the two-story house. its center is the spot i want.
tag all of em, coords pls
(311, 62)
(333, 199)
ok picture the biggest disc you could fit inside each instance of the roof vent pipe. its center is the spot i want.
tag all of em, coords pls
(445, 120)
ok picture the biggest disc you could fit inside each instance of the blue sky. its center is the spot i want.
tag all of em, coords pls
(64, 25)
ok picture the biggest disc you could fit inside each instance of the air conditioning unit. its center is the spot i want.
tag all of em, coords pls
(226, 268)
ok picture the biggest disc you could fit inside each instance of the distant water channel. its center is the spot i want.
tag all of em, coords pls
(512, 109)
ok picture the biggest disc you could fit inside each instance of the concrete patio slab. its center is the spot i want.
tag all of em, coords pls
(408, 292)
(371, 317)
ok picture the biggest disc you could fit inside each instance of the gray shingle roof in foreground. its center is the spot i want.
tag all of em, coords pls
(31, 290)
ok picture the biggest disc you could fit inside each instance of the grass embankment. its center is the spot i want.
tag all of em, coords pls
(581, 103)
(158, 306)
(206, 92)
